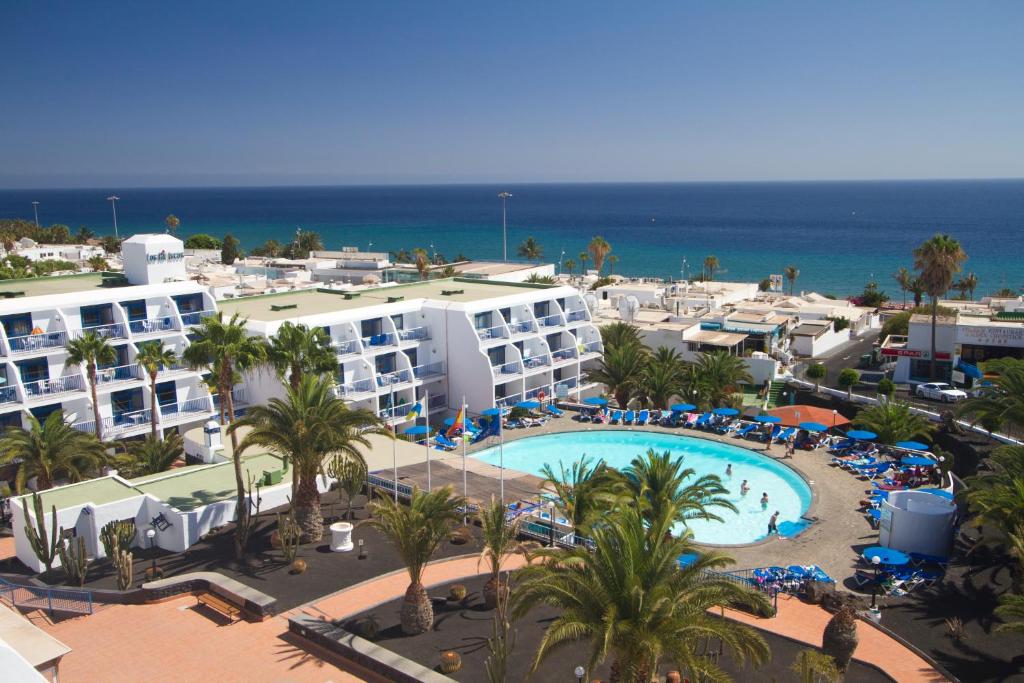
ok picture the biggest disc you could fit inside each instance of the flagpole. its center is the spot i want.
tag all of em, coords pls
(426, 441)
(394, 441)
(501, 454)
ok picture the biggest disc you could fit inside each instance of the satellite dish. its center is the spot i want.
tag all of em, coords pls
(591, 301)
(628, 307)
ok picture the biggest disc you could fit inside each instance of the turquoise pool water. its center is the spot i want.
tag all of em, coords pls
(787, 491)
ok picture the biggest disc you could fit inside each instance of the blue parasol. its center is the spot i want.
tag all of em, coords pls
(682, 407)
(769, 419)
(918, 460)
(861, 435)
(416, 429)
(814, 426)
(725, 412)
(596, 401)
(528, 405)
(491, 412)
(912, 445)
(887, 556)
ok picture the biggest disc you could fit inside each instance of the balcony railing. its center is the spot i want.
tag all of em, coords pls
(359, 386)
(438, 401)
(568, 383)
(568, 353)
(496, 332)
(8, 395)
(385, 339)
(573, 316)
(37, 342)
(151, 326)
(345, 347)
(196, 317)
(508, 401)
(396, 411)
(107, 331)
(550, 320)
(535, 392)
(121, 373)
(386, 379)
(54, 386)
(428, 371)
(592, 347)
(238, 397)
(119, 423)
(538, 361)
(522, 327)
(414, 334)
(507, 368)
(191, 409)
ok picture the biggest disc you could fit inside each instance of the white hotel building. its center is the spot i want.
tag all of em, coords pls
(492, 342)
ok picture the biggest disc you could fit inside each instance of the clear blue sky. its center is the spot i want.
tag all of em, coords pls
(212, 93)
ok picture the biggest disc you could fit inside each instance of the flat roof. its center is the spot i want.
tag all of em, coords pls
(318, 301)
(33, 644)
(495, 268)
(810, 329)
(716, 338)
(97, 491)
(53, 284)
(191, 487)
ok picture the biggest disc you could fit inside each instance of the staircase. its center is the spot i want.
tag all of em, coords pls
(774, 391)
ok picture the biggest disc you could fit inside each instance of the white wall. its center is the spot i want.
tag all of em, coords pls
(153, 259)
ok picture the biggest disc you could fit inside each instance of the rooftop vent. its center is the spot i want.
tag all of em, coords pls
(452, 292)
(283, 307)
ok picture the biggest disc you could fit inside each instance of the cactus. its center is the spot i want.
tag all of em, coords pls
(116, 536)
(73, 559)
(45, 550)
(457, 592)
(123, 563)
(290, 535)
(451, 662)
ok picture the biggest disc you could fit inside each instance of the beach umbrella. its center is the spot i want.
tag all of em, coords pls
(725, 412)
(596, 401)
(682, 407)
(912, 445)
(918, 460)
(492, 412)
(528, 405)
(861, 435)
(769, 419)
(814, 426)
(416, 429)
(942, 493)
(888, 556)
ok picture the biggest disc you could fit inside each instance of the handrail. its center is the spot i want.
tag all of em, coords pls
(151, 325)
(565, 353)
(359, 386)
(496, 332)
(404, 490)
(345, 346)
(55, 385)
(394, 377)
(196, 317)
(414, 334)
(105, 331)
(8, 395)
(550, 320)
(34, 342)
(522, 327)
(428, 370)
(122, 422)
(120, 373)
(510, 368)
(395, 411)
(591, 347)
(573, 316)
(384, 339)
(540, 360)
(51, 599)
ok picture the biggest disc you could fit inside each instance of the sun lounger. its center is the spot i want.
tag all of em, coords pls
(702, 420)
(786, 433)
(628, 418)
(445, 442)
(691, 419)
(918, 559)
(842, 445)
(746, 429)
(641, 419)
(554, 410)
(616, 417)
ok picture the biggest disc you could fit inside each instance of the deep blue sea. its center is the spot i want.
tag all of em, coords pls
(839, 234)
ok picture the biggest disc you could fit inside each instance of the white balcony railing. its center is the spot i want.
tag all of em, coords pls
(538, 361)
(508, 401)
(386, 379)
(564, 354)
(414, 334)
(535, 392)
(151, 326)
(54, 386)
(496, 332)
(107, 331)
(345, 347)
(196, 317)
(192, 409)
(428, 371)
(522, 327)
(121, 373)
(8, 395)
(121, 423)
(507, 368)
(378, 340)
(399, 411)
(550, 320)
(38, 342)
(591, 347)
(574, 316)
(354, 388)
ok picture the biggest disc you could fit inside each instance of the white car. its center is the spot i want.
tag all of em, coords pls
(940, 391)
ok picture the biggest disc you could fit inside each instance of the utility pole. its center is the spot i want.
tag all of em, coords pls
(35, 211)
(113, 199)
(505, 196)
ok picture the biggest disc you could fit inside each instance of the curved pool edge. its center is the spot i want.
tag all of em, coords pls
(809, 515)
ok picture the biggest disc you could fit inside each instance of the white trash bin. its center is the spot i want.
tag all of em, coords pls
(341, 537)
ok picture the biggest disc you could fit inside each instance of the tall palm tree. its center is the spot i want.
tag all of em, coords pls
(893, 421)
(970, 283)
(92, 351)
(583, 257)
(583, 492)
(305, 242)
(662, 377)
(599, 249)
(621, 370)
(422, 261)
(612, 262)
(722, 373)
(153, 357)
(298, 350)
(917, 288)
(628, 600)
(1002, 402)
(662, 486)
(791, 273)
(227, 350)
(902, 278)
(416, 531)
(49, 451)
(938, 260)
(711, 264)
(151, 455)
(531, 250)
(570, 265)
(308, 426)
(620, 334)
(499, 537)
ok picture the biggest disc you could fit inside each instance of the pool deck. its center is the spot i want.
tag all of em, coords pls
(832, 542)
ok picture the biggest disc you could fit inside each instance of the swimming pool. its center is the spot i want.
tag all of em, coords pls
(787, 491)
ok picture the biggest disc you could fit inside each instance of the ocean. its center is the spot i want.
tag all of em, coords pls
(838, 234)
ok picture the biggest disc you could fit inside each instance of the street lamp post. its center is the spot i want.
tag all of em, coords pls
(35, 212)
(875, 561)
(151, 535)
(504, 196)
(551, 515)
(580, 673)
(113, 199)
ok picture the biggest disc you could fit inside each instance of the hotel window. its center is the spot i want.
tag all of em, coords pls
(399, 321)
(482, 321)
(370, 328)
(17, 325)
(496, 355)
(136, 310)
(540, 309)
(411, 353)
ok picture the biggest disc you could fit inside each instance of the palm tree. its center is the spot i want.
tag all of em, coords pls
(569, 266)
(620, 334)
(304, 243)
(599, 249)
(711, 264)
(583, 492)
(308, 426)
(1011, 611)
(172, 222)
(152, 358)
(997, 498)
(662, 376)
(938, 260)
(499, 537)
(422, 261)
(902, 278)
(583, 257)
(97, 263)
(970, 283)
(1001, 403)
(538, 279)
(612, 261)
(84, 234)
(628, 600)
(661, 485)
(620, 369)
(722, 373)
(151, 455)
(531, 250)
(91, 350)
(791, 273)
(416, 531)
(297, 350)
(917, 288)
(227, 350)
(49, 451)
(894, 421)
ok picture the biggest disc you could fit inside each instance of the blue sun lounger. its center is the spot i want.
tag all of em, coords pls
(554, 410)
(702, 420)
(786, 433)
(445, 442)
(842, 445)
(628, 418)
(616, 417)
(642, 418)
(746, 429)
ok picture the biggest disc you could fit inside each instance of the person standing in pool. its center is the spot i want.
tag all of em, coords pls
(764, 500)
(728, 470)
(773, 524)
(744, 488)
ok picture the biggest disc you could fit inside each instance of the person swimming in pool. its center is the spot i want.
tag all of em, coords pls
(764, 500)
(773, 527)
(744, 488)
(728, 470)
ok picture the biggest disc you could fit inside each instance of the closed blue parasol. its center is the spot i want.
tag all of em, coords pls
(814, 426)
(528, 405)
(770, 419)
(887, 556)
(919, 460)
(726, 412)
(912, 445)
(682, 407)
(596, 401)
(416, 429)
(861, 435)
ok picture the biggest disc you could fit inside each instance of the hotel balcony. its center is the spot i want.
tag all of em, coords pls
(523, 327)
(378, 341)
(8, 395)
(488, 333)
(56, 386)
(170, 370)
(188, 411)
(108, 331)
(118, 375)
(360, 388)
(151, 326)
(564, 355)
(396, 413)
(575, 316)
(512, 368)
(43, 341)
(195, 317)
(590, 349)
(131, 423)
(429, 371)
(550, 321)
(414, 334)
(387, 380)
(346, 347)
(508, 401)
(540, 361)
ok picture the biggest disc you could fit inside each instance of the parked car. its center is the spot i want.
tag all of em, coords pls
(940, 391)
